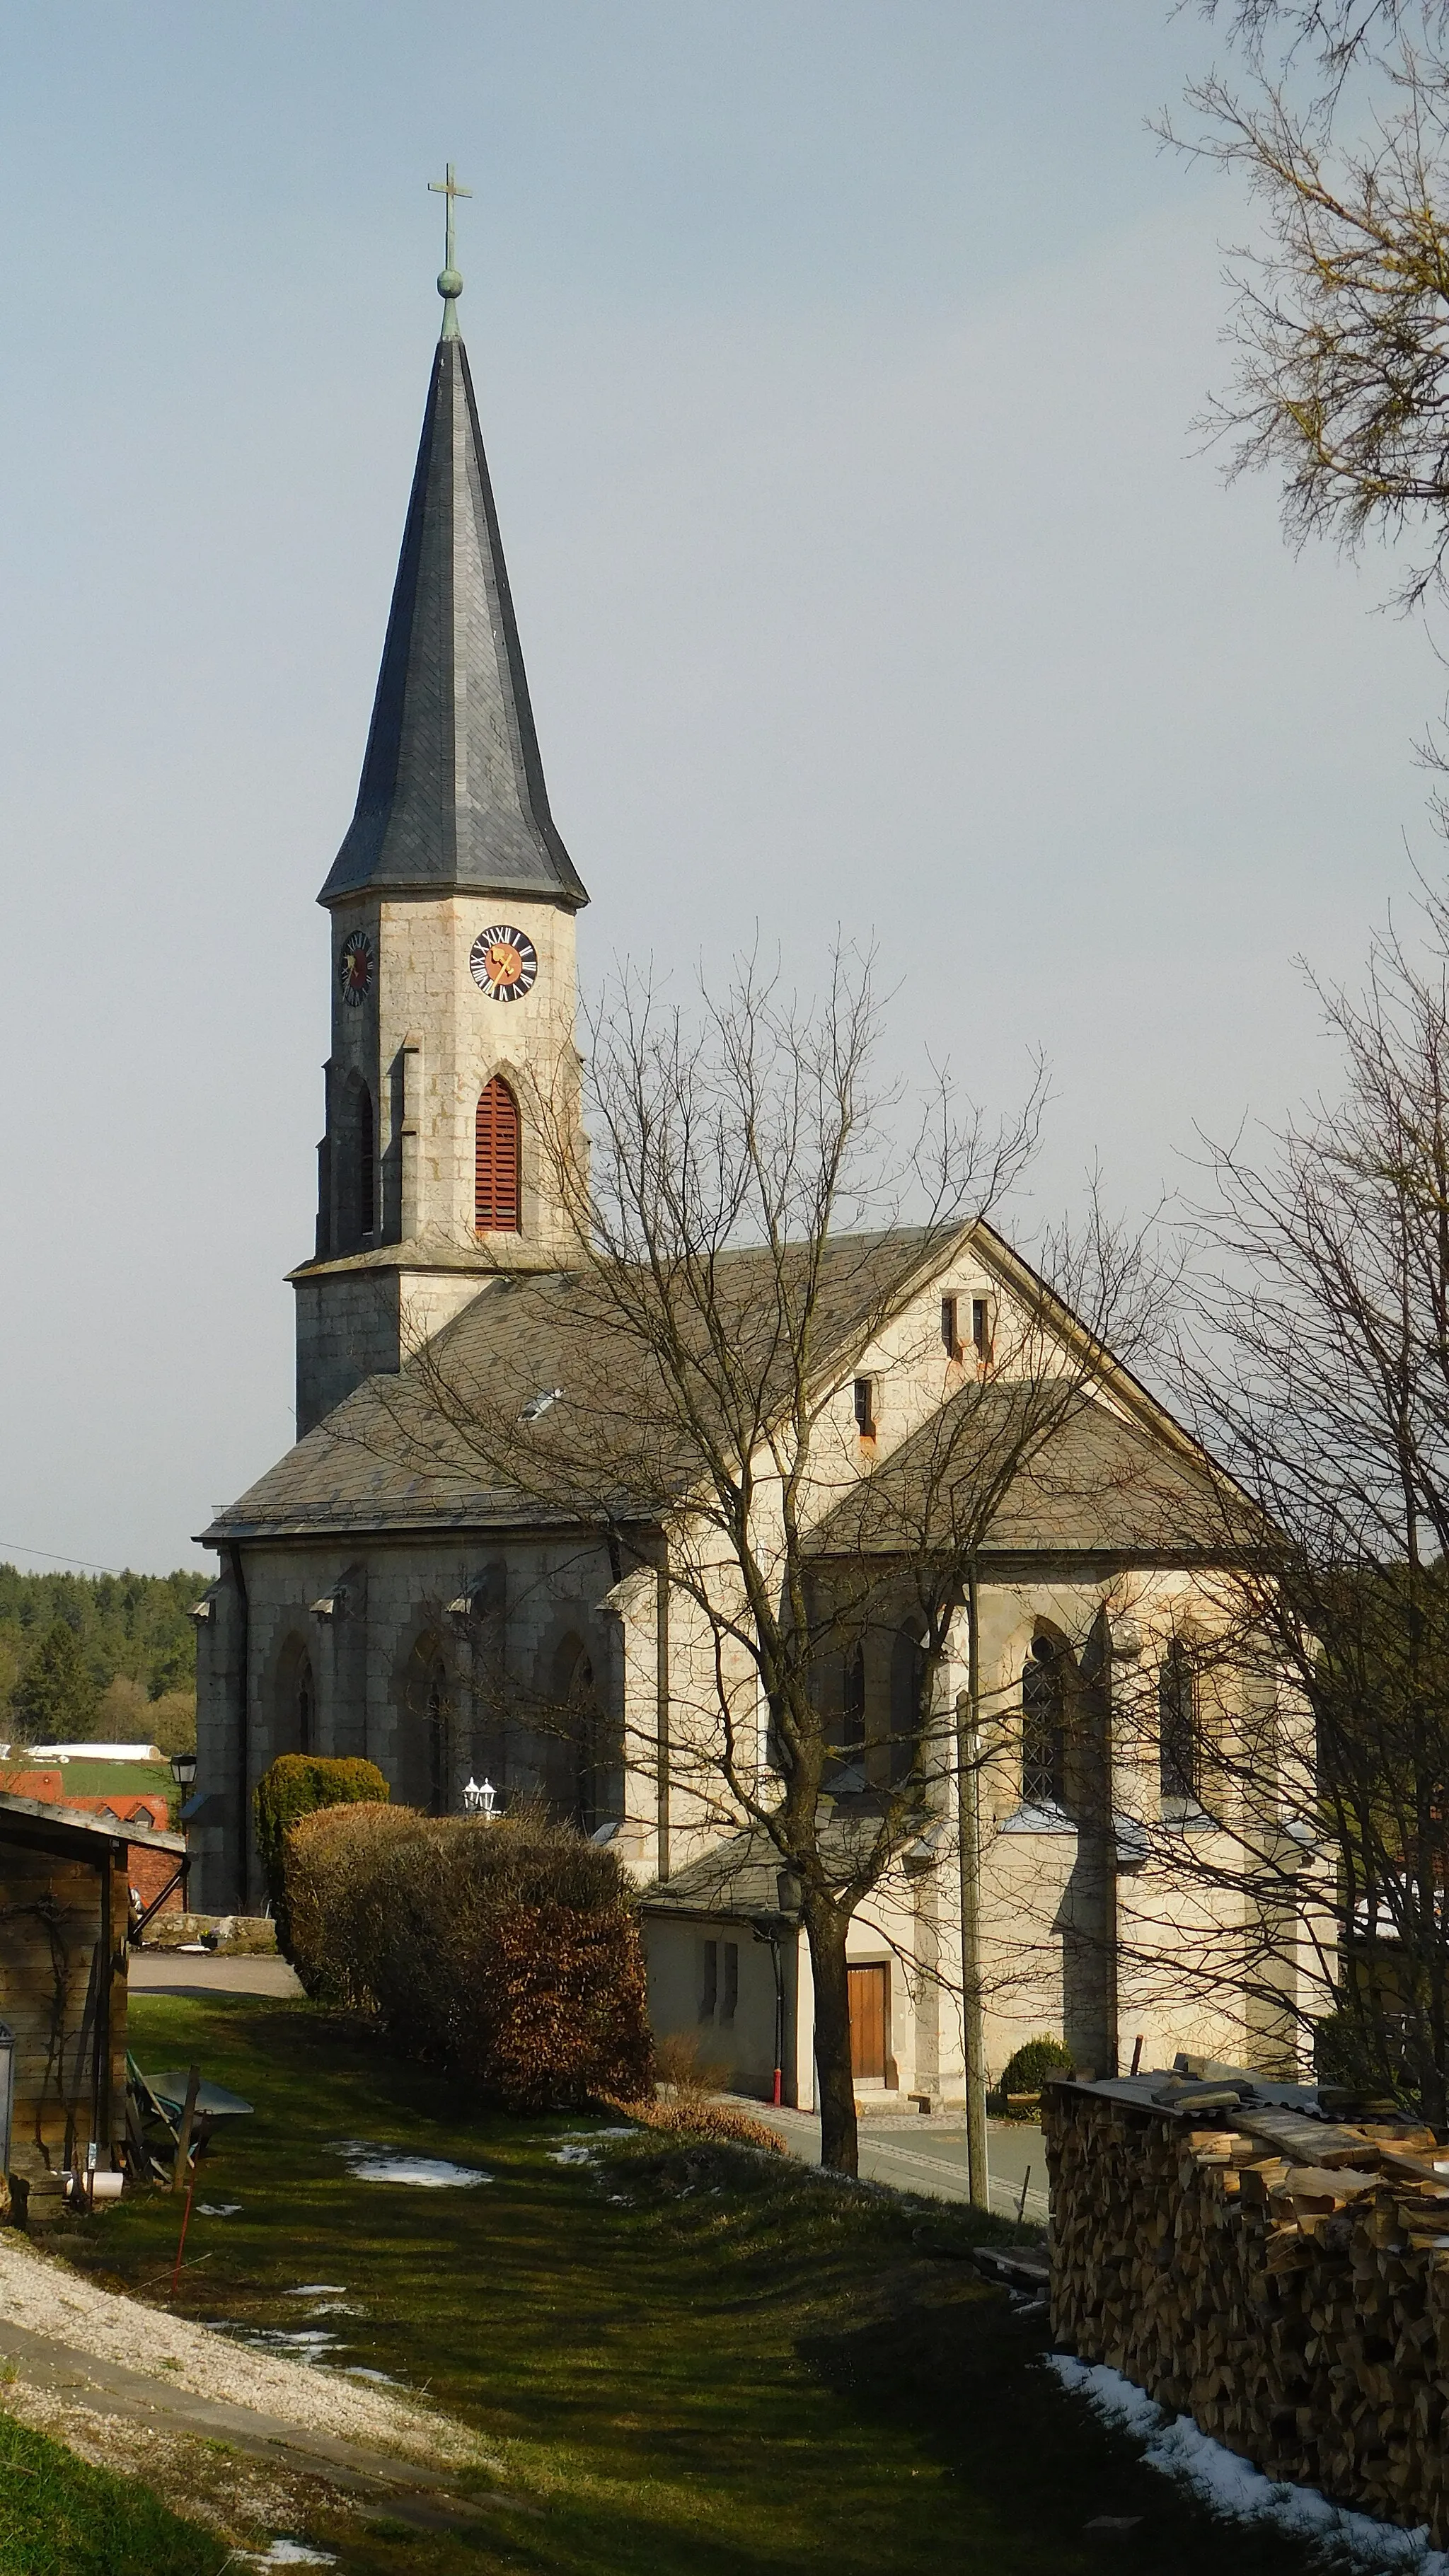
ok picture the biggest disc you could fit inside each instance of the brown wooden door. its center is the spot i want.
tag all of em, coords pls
(868, 1989)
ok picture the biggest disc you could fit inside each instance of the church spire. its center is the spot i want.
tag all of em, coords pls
(452, 799)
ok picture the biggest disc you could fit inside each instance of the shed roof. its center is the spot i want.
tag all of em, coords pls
(34, 1811)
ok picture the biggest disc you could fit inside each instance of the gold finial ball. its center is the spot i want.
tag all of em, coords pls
(449, 283)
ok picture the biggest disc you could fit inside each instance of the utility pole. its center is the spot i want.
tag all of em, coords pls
(968, 1838)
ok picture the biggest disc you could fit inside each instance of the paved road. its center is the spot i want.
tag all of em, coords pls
(928, 2154)
(177, 1972)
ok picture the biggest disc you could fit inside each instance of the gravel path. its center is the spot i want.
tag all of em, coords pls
(48, 2298)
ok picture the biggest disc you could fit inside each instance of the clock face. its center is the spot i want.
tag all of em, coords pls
(354, 968)
(504, 963)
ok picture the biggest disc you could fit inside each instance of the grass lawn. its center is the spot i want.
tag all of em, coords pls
(694, 2362)
(60, 2518)
(82, 1779)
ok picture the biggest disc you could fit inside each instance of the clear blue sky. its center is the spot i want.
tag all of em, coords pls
(837, 360)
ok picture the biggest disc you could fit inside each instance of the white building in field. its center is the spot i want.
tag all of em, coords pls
(445, 1625)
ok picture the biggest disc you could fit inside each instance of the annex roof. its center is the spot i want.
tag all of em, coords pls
(1044, 1470)
(452, 798)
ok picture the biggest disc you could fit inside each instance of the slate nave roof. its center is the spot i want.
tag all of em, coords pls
(399, 1453)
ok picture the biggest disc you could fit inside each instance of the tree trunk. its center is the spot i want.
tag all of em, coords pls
(826, 1930)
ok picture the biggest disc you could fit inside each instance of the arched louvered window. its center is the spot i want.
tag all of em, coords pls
(497, 1191)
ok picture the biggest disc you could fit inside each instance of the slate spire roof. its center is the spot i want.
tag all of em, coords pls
(452, 798)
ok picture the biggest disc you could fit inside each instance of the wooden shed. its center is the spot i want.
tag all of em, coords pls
(63, 1930)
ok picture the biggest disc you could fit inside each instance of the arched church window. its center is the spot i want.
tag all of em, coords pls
(848, 1729)
(1044, 1724)
(908, 1681)
(356, 1166)
(1179, 1748)
(574, 1728)
(497, 1191)
(439, 1737)
(306, 1708)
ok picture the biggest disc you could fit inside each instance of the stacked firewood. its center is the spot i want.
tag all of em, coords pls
(1283, 2281)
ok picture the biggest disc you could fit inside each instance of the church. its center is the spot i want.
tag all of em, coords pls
(444, 1625)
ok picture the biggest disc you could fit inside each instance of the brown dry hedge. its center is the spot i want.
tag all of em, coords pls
(507, 1952)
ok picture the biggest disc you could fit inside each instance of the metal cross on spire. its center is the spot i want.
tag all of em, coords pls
(450, 284)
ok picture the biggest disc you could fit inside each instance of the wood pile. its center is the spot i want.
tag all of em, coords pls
(1283, 2281)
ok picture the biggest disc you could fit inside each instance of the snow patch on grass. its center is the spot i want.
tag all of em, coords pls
(286, 2553)
(1238, 2492)
(370, 2163)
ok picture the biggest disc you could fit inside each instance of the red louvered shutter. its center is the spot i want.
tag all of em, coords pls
(497, 1189)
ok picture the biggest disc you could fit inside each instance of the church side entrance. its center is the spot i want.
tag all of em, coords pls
(869, 1991)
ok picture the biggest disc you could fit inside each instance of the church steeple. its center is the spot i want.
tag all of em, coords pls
(452, 798)
(453, 1083)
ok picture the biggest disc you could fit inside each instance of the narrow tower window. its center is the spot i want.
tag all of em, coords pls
(366, 1163)
(497, 1190)
(355, 1166)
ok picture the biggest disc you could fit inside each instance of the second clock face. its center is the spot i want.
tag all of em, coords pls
(504, 963)
(354, 968)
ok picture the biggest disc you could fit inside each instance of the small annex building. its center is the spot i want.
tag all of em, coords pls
(64, 1917)
(383, 1597)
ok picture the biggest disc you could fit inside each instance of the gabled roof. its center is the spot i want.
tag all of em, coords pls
(452, 798)
(392, 1458)
(387, 1459)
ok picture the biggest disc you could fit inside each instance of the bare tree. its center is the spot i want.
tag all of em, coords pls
(764, 1412)
(1337, 120)
(1320, 1374)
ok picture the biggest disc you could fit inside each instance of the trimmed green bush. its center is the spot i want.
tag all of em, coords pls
(507, 1952)
(294, 1786)
(1028, 2070)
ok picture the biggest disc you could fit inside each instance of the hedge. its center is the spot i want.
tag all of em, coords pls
(507, 1951)
(294, 1786)
(1033, 2062)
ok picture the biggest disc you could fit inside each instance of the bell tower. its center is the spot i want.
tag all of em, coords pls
(452, 1085)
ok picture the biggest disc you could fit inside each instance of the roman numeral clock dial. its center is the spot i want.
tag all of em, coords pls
(503, 963)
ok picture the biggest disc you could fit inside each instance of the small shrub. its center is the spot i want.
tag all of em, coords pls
(700, 2119)
(294, 1786)
(508, 1952)
(1029, 2069)
(682, 2072)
